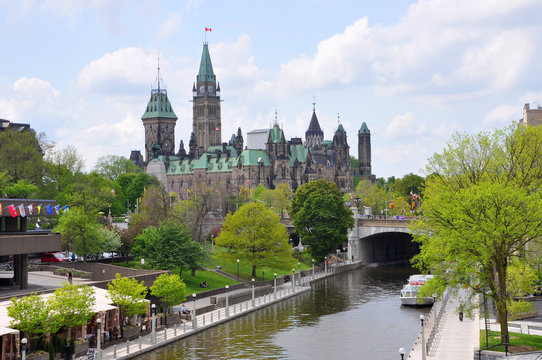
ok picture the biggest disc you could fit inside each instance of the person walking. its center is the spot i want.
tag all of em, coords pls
(70, 276)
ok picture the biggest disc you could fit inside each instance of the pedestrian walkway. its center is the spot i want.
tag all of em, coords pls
(453, 340)
(201, 322)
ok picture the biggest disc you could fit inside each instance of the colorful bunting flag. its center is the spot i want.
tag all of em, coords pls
(13, 210)
(39, 209)
(21, 210)
(66, 208)
(0, 209)
(30, 209)
(49, 210)
(57, 209)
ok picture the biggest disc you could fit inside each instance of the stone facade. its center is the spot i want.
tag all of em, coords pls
(532, 117)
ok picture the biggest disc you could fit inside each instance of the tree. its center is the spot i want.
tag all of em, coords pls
(73, 305)
(109, 240)
(112, 166)
(80, 231)
(482, 207)
(278, 198)
(168, 246)
(320, 217)
(62, 170)
(128, 295)
(254, 233)
(21, 156)
(22, 189)
(171, 290)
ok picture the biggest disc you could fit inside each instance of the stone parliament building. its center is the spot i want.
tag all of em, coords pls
(265, 157)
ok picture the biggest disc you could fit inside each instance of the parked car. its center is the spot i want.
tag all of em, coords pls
(54, 257)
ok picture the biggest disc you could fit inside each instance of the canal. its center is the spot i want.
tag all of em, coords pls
(356, 315)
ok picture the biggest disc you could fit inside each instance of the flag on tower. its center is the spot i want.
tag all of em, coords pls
(217, 128)
(208, 29)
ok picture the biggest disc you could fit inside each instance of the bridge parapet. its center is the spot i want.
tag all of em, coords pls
(384, 223)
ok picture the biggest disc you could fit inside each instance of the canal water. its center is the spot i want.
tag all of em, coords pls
(356, 315)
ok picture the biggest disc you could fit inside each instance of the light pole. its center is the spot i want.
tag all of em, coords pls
(402, 353)
(194, 321)
(228, 301)
(293, 279)
(98, 344)
(23, 351)
(325, 265)
(312, 269)
(153, 324)
(237, 270)
(275, 287)
(422, 318)
(253, 299)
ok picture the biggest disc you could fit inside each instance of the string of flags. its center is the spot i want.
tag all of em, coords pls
(30, 210)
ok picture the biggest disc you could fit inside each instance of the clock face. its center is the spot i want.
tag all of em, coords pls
(202, 89)
(210, 90)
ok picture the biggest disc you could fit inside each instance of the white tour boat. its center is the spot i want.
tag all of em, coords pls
(410, 291)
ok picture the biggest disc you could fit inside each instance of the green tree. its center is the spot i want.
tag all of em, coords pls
(112, 166)
(168, 246)
(278, 198)
(254, 233)
(80, 231)
(482, 207)
(63, 169)
(22, 189)
(128, 295)
(320, 217)
(73, 305)
(171, 290)
(21, 156)
(109, 240)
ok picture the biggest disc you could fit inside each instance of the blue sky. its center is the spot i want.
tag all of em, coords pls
(414, 71)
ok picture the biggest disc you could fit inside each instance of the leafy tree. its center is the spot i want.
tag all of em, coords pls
(21, 156)
(112, 166)
(109, 240)
(168, 246)
(278, 198)
(22, 189)
(63, 169)
(5, 181)
(410, 183)
(73, 305)
(320, 217)
(254, 233)
(80, 231)
(482, 207)
(128, 295)
(171, 290)
(31, 315)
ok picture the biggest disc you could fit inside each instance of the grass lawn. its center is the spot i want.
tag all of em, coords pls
(518, 342)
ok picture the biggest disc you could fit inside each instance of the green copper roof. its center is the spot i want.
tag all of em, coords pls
(233, 139)
(364, 129)
(326, 142)
(205, 66)
(276, 134)
(298, 152)
(250, 157)
(212, 150)
(341, 129)
(159, 107)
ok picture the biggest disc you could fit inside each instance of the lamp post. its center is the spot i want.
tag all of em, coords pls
(312, 269)
(402, 353)
(153, 324)
(325, 265)
(98, 344)
(275, 286)
(23, 350)
(237, 269)
(194, 321)
(293, 279)
(253, 299)
(227, 301)
(422, 318)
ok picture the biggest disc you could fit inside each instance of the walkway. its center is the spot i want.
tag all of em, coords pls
(454, 339)
(204, 321)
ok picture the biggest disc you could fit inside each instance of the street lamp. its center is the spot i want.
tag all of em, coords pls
(275, 286)
(402, 353)
(293, 279)
(253, 299)
(237, 269)
(227, 301)
(422, 318)
(98, 344)
(153, 324)
(194, 321)
(23, 351)
(312, 269)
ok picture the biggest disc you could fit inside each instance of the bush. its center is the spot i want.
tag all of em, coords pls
(518, 308)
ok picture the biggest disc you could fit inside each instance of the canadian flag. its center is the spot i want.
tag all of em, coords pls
(208, 29)
(217, 128)
(13, 210)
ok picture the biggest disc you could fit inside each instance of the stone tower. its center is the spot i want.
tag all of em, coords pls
(364, 150)
(206, 104)
(159, 122)
(314, 134)
(341, 145)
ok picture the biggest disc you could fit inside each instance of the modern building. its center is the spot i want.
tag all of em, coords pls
(266, 158)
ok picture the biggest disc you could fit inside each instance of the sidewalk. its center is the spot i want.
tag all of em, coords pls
(204, 321)
(455, 340)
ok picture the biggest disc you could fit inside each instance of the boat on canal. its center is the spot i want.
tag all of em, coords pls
(409, 293)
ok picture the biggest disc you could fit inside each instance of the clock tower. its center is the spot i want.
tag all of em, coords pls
(206, 104)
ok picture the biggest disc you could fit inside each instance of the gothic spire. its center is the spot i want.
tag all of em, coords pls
(206, 67)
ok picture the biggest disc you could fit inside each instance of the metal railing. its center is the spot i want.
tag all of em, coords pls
(436, 314)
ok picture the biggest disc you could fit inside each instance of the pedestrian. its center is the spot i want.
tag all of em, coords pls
(460, 312)
(70, 276)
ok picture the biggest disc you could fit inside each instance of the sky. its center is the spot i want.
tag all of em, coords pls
(414, 71)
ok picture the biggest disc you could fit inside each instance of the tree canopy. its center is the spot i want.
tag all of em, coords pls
(482, 207)
(128, 294)
(21, 156)
(254, 233)
(320, 217)
(171, 290)
(73, 305)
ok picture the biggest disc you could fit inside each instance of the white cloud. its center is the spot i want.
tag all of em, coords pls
(403, 125)
(169, 26)
(503, 115)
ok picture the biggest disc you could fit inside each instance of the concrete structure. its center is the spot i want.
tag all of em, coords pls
(17, 242)
(532, 117)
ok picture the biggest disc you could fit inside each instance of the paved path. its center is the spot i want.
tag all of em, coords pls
(204, 321)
